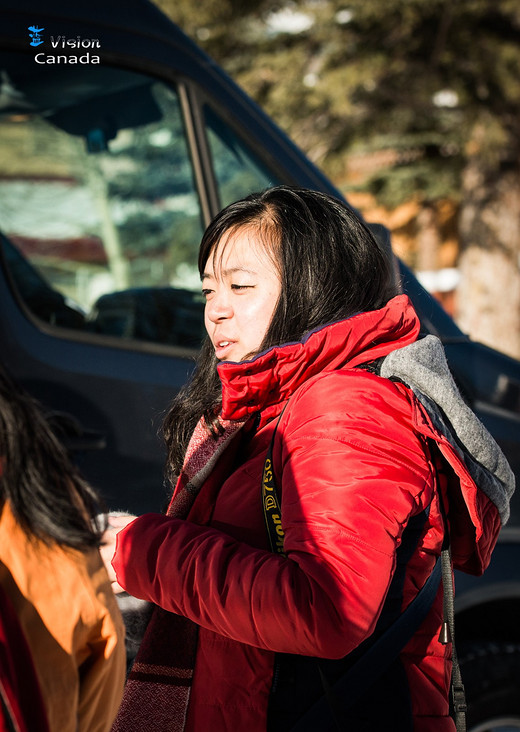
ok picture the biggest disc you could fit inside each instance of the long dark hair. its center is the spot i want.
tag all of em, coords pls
(47, 495)
(330, 264)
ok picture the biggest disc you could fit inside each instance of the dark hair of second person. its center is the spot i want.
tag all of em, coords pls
(47, 495)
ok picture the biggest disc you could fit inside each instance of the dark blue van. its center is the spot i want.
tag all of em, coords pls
(119, 140)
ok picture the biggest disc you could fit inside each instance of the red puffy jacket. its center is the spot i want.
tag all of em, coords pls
(356, 456)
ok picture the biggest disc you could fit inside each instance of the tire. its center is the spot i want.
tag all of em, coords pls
(491, 677)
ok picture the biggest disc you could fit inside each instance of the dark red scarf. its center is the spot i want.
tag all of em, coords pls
(157, 692)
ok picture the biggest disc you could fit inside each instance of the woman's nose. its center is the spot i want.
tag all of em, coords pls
(218, 307)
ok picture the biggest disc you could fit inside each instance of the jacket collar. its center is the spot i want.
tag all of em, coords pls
(270, 378)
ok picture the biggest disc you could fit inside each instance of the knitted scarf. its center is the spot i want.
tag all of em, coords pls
(158, 688)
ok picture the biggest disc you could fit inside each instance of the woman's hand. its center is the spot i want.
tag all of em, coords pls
(116, 522)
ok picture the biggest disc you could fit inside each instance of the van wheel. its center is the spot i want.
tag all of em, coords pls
(491, 676)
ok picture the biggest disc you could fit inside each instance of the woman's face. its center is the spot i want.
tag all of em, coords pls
(241, 285)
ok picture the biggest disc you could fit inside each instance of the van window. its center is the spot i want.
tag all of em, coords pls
(238, 171)
(100, 220)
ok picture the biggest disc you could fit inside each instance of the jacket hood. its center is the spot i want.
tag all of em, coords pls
(422, 366)
(271, 377)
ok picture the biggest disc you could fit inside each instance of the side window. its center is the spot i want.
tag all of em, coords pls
(99, 216)
(238, 170)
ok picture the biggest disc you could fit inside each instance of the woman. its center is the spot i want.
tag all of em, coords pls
(52, 573)
(304, 330)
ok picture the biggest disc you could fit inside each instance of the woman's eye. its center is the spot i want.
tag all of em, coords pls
(206, 293)
(241, 287)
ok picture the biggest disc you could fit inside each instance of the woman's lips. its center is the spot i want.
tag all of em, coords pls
(222, 347)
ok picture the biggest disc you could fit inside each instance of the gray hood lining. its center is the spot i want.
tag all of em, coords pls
(423, 367)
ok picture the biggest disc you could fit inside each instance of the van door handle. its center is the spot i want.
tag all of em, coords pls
(71, 433)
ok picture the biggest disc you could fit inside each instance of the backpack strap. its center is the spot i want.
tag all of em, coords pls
(447, 635)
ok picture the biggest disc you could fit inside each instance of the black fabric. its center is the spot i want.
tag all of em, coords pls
(385, 706)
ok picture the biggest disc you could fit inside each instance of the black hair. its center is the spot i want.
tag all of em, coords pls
(330, 264)
(48, 497)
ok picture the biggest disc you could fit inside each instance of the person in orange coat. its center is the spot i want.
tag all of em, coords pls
(52, 572)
